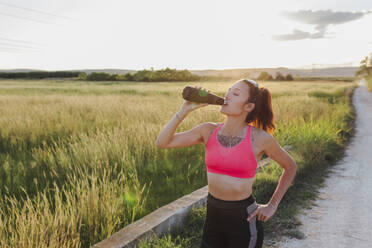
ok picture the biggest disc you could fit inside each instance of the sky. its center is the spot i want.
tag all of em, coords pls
(183, 34)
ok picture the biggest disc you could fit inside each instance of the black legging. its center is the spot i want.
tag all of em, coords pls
(226, 224)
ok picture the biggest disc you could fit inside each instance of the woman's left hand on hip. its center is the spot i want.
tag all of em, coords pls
(263, 212)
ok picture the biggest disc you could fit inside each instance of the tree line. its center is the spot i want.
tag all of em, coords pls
(152, 75)
(168, 74)
(172, 75)
(39, 74)
(162, 75)
(264, 75)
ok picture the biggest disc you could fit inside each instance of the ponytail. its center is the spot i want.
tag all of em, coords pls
(262, 115)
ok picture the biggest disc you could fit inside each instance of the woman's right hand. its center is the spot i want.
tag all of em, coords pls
(188, 106)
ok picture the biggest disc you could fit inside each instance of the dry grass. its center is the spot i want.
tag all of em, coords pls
(78, 159)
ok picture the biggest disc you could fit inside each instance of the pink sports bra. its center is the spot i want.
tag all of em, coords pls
(237, 161)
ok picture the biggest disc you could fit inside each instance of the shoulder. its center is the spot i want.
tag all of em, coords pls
(268, 143)
(262, 138)
(210, 126)
(207, 129)
(261, 134)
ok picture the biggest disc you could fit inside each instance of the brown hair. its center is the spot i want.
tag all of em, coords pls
(262, 116)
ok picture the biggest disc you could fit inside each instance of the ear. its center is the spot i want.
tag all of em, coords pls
(249, 106)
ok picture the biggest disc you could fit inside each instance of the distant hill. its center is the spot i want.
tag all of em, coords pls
(254, 72)
(243, 72)
(18, 70)
(111, 71)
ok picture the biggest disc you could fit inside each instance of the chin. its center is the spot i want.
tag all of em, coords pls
(222, 111)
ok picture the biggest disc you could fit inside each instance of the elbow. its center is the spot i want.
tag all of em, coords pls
(293, 168)
(159, 145)
(157, 142)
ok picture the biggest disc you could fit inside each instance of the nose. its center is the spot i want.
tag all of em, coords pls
(227, 95)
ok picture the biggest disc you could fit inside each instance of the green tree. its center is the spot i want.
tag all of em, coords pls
(289, 77)
(99, 76)
(82, 76)
(120, 77)
(279, 76)
(264, 75)
(365, 67)
(128, 76)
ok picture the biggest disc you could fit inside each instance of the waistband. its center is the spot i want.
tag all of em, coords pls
(230, 204)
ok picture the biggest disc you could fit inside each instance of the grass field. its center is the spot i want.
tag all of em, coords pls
(78, 160)
(369, 83)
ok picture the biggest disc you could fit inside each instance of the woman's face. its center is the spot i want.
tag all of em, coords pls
(236, 98)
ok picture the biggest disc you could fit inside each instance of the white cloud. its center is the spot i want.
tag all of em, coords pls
(320, 19)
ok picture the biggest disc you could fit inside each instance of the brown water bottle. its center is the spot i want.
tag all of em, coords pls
(193, 94)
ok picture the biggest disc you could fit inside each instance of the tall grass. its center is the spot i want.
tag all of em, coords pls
(369, 83)
(78, 160)
(320, 128)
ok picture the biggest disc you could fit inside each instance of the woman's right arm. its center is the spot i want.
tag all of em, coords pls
(167, 137)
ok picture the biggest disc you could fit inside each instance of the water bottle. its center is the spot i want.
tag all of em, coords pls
(193, 94)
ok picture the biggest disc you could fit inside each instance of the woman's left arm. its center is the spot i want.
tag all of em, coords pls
(272, 149)
(281, 156)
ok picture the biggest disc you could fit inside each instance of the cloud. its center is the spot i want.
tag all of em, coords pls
(298, 35)
(320, 19)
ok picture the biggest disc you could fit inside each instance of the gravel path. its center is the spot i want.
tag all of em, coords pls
(342, 216)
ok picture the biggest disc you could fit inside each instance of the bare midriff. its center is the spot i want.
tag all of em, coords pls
(226, 187)
(229, 188)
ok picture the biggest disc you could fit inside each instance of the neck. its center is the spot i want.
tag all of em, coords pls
(233, 127)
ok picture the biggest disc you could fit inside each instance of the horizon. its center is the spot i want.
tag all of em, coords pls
(247, 68)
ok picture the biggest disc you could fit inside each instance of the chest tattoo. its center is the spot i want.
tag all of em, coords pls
(228, 141)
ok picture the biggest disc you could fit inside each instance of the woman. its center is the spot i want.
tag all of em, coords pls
(233, 149)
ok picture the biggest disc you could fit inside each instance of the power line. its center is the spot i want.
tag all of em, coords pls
(17, 46)
(17, 50)
(34, 10)
(12, 50)
(21, 41)
(26, 18)
(13, 45)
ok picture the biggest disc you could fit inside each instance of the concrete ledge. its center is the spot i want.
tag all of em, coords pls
(160, 221)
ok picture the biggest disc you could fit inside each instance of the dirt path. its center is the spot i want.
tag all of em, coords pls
(343, 215)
